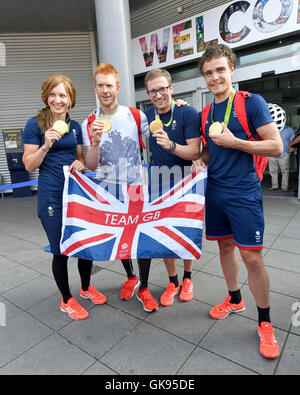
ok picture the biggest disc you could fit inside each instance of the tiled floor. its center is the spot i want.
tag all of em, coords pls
(119, 337)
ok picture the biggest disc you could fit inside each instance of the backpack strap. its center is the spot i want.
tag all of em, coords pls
(240, 110)
(204, 116)
(137, 116)
(91, 119)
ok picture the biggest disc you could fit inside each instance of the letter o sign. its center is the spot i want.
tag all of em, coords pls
(269, 27)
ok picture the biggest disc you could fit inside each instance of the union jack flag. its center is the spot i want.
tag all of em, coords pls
(132, 221)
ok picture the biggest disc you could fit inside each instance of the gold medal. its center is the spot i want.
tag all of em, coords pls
(61, 127)
(107, 125)
(215, 129)
(156, 125)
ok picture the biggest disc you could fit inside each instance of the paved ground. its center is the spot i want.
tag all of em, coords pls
(119, 337)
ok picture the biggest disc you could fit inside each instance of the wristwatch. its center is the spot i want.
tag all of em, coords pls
(173, 146)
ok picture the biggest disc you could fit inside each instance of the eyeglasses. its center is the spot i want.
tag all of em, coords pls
(162, 91)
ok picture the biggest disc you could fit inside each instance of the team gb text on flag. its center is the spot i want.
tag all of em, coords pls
(132, 221)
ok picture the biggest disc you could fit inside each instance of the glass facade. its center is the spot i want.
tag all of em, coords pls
(273, 50)
(283, 89)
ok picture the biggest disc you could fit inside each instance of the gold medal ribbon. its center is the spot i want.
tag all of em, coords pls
(107, 123)
(101, 116)
(157, 118)
(228, 108)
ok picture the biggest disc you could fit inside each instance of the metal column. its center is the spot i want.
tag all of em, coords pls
(114, 37)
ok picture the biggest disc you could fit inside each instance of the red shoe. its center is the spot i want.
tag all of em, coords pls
(186, 293)
(129, 287)
(224, 309)
(95, 296)
(268, 344)
(167, 298)
(145, 297)
(74, 310)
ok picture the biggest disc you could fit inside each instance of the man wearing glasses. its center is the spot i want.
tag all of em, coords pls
(174, 145)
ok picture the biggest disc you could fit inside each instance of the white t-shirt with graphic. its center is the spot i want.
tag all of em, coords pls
(120, 147)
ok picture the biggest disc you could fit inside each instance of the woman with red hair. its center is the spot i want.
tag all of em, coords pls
(48, 149)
